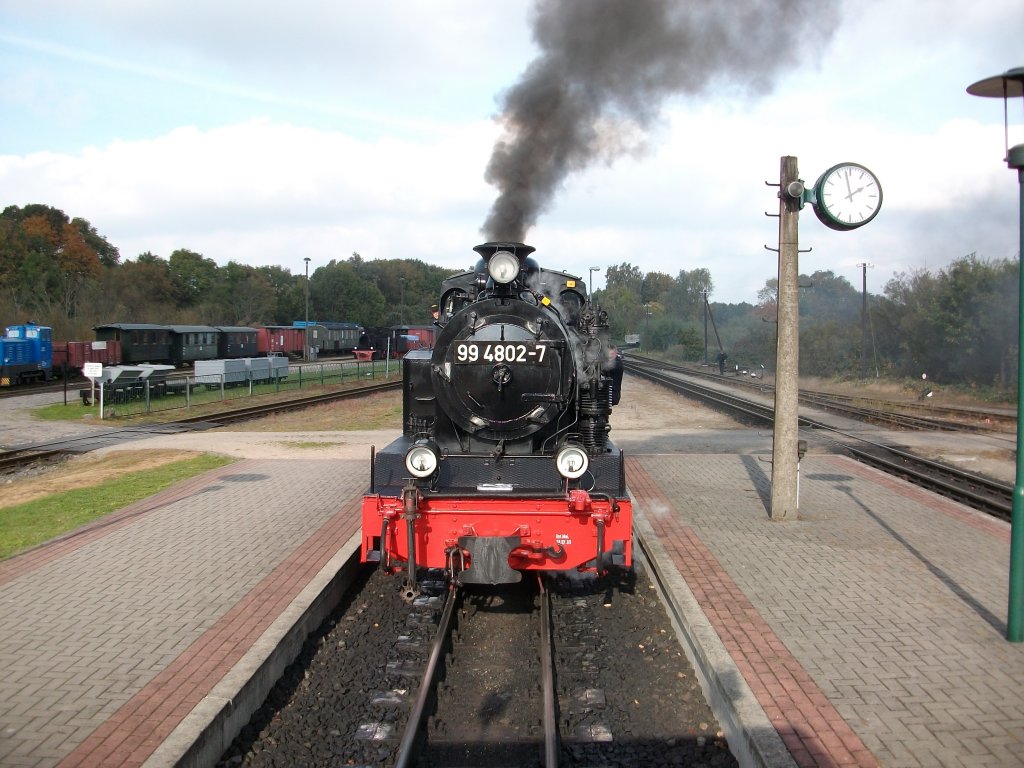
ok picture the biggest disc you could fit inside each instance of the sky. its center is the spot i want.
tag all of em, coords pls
(264, 133)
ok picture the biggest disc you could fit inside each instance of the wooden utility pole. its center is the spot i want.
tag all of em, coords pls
(785, 461)
(864, 339)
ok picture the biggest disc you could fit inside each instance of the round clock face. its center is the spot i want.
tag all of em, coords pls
(848, 196)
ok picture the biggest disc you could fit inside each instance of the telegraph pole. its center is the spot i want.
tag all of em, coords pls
(705, 294)
(785, 461)
(864, 364)
(838, 211)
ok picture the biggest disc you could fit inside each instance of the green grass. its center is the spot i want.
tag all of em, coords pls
(60, 412)
(34, 522)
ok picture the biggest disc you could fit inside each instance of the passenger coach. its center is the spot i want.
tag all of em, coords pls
(140, 342)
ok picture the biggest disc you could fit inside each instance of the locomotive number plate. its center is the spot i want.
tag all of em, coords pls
(491, 352)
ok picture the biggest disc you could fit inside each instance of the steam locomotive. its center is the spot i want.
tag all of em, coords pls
(504, 464)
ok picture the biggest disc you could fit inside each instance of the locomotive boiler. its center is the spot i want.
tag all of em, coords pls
(505, 463)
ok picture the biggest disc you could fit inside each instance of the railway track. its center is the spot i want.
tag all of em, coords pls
(36, 389)
(388, 682)
(973, 490)
(18, 459)
(982, 493)
(13, 460)
(904, 414)
(488, 708)
(266, 409)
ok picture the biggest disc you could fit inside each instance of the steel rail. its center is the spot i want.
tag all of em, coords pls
(994, 499)
(239, 414)
(732, 402)
(21, 458)
(417, 716)
(551, 742)
(30, 453)
(933, 418)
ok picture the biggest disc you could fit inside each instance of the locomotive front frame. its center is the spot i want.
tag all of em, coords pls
(504, 464)
(492, 540)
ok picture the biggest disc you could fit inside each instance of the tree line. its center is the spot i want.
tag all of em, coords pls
(60, 272)
(957, 325)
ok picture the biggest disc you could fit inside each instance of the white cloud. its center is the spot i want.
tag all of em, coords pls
(266, 133)
(264, 192)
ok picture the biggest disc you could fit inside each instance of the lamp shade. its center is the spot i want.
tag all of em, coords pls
(1010, 84)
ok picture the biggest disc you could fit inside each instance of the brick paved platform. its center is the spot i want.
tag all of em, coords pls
(138, 637)
(869, 632)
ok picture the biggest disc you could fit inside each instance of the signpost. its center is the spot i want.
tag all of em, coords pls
(93, 371)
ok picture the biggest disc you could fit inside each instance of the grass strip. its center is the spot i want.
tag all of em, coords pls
(26, 525)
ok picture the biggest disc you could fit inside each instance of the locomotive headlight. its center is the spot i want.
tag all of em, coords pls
(503, 267)
(571, 461)
(421, 460)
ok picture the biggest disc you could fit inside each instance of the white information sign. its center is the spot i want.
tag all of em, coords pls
(92, 370)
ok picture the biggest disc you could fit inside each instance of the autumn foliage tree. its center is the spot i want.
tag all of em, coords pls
(47, 260)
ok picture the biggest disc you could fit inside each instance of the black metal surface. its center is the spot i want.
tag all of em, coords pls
(489, 556)
(488, 394)
(526, 474)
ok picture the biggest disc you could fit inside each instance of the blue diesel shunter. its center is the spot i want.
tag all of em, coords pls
(26, 354)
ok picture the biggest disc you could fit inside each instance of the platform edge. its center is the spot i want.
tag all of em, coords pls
(752, 738)
(207, 731)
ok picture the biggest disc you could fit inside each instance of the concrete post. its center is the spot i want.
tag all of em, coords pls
(785, 499)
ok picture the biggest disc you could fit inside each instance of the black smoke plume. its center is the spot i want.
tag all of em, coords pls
(604, 70)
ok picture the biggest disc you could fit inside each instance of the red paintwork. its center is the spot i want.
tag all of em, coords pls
(78, 353)
(543, 524)
(281, 339)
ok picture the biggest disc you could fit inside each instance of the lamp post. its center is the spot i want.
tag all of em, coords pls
(306, 326)
(1011, 84)
(590, 282)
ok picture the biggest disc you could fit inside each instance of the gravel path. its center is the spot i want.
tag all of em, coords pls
(19, 427)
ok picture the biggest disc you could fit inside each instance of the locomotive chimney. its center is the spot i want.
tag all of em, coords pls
(520, 250)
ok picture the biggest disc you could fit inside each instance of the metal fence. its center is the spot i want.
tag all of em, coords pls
(145, 397)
